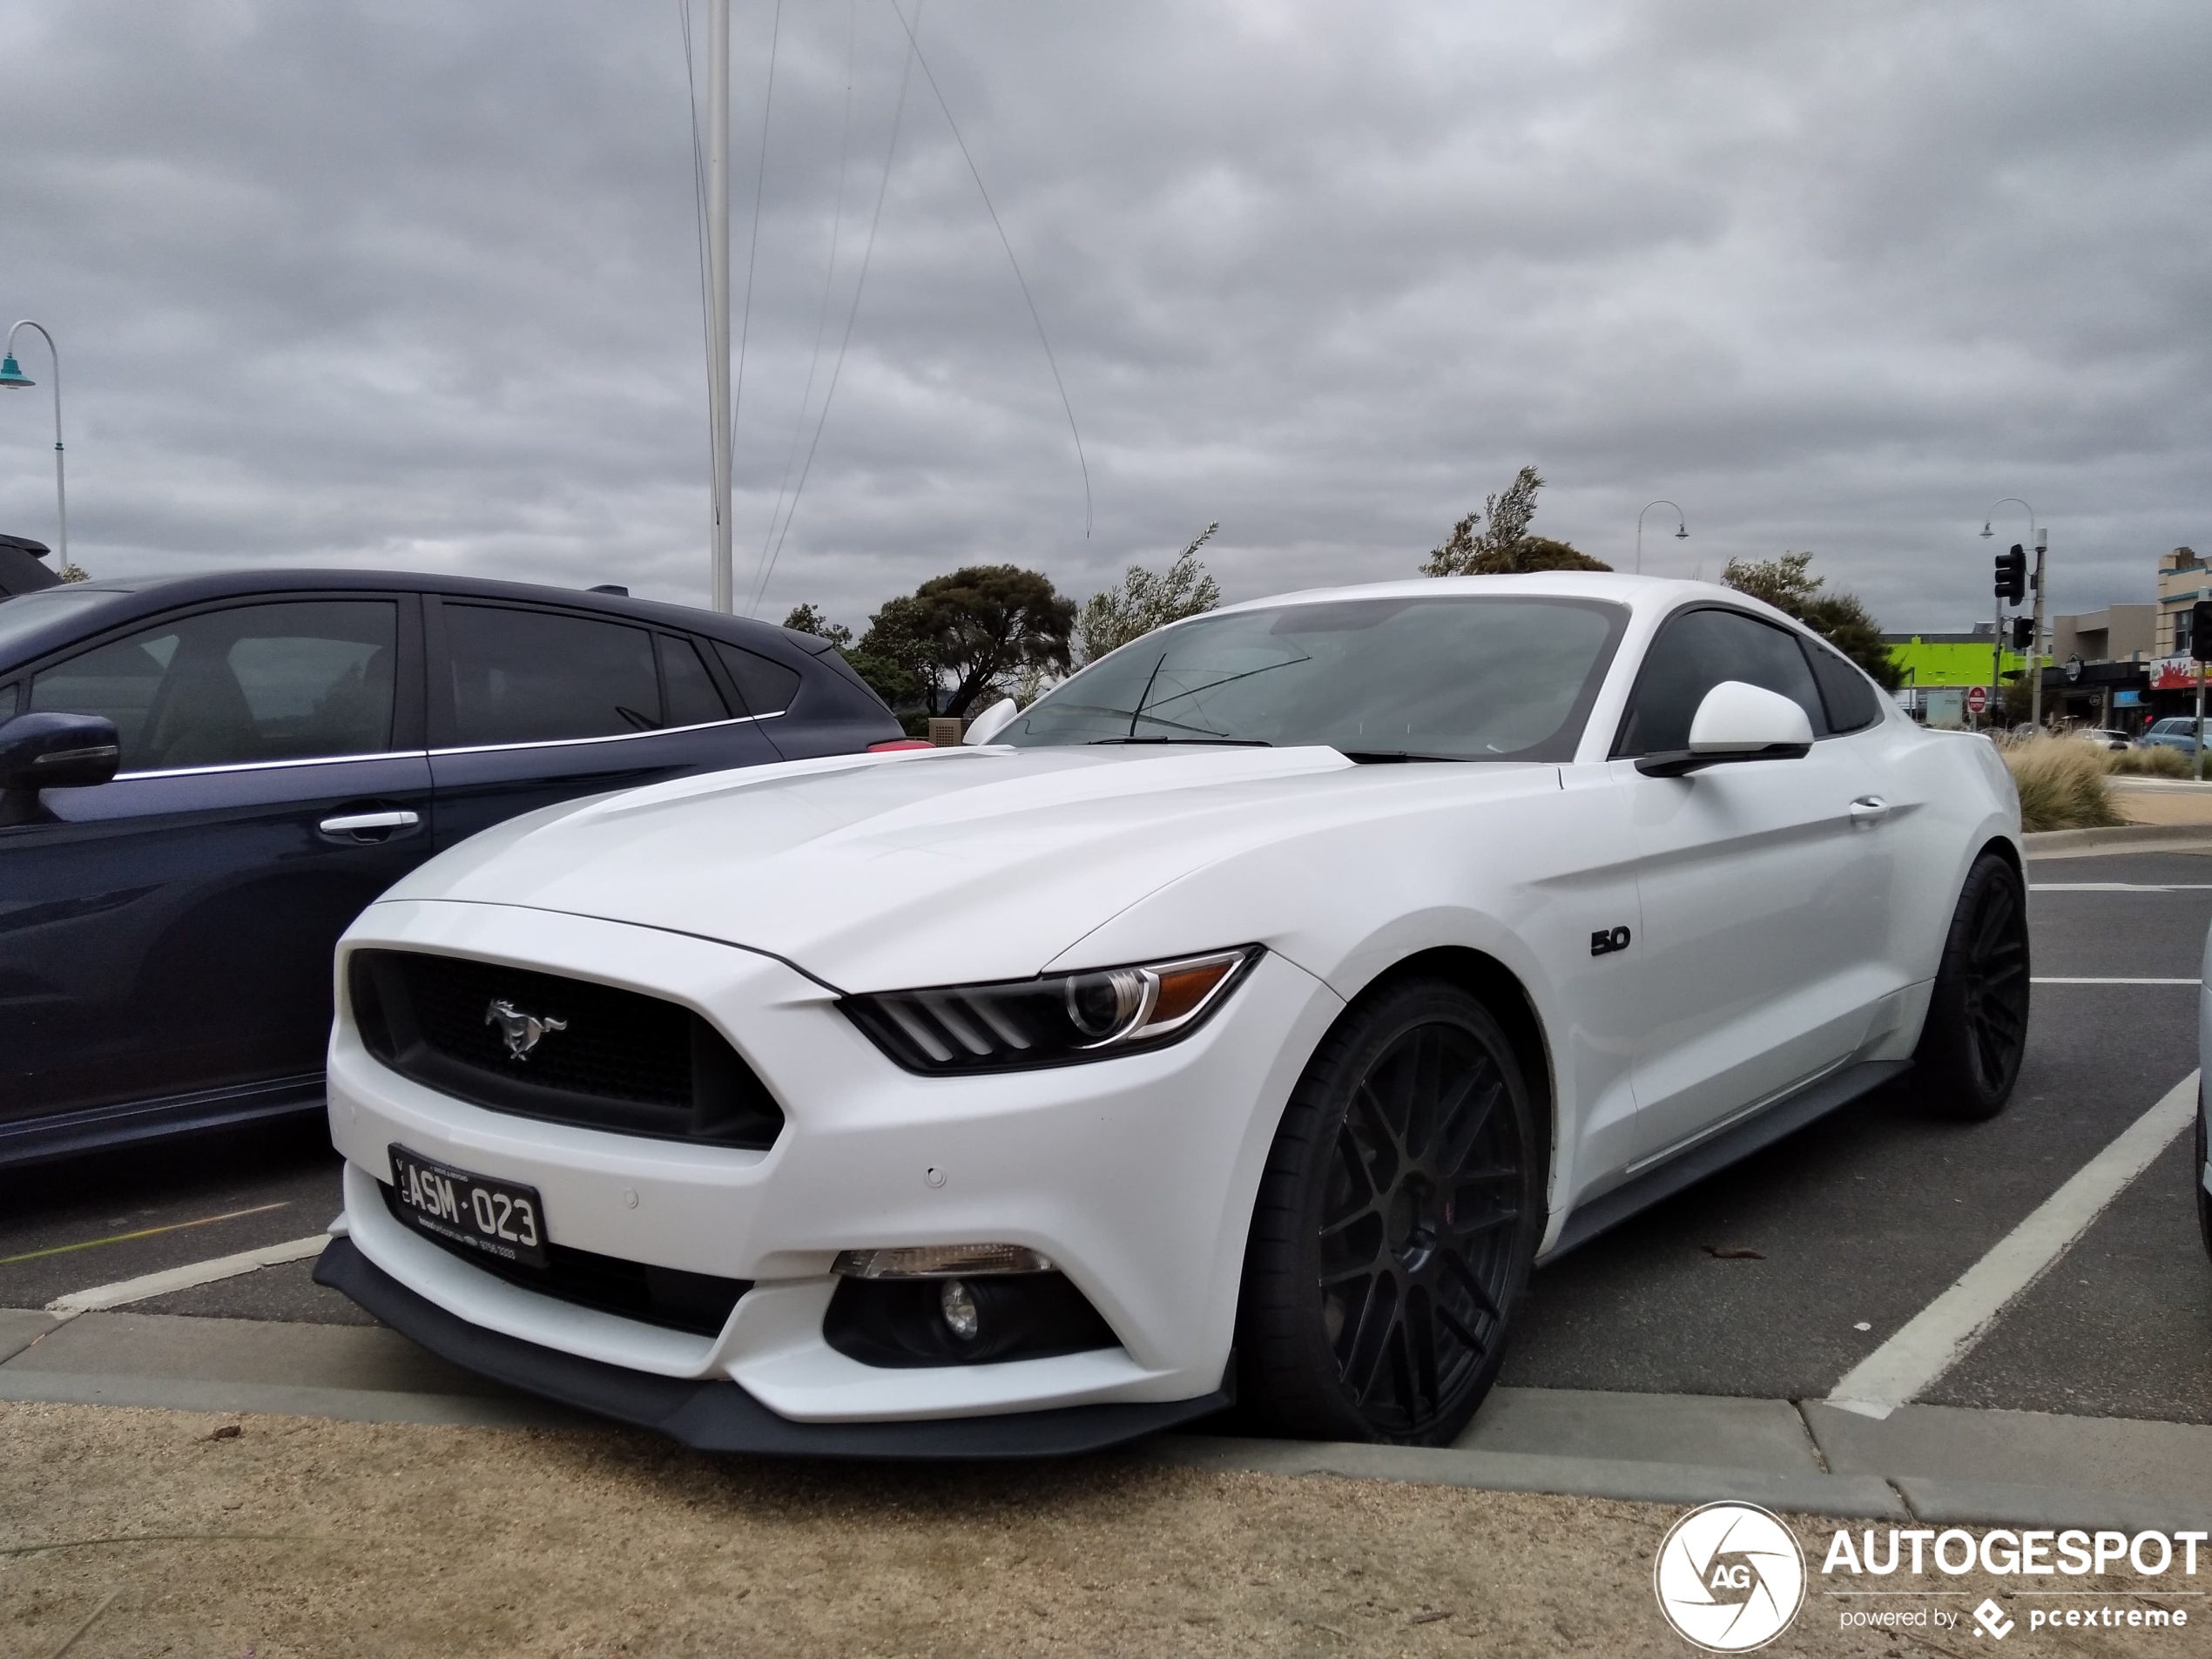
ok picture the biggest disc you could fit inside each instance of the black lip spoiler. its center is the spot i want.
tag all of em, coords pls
(722, 1417)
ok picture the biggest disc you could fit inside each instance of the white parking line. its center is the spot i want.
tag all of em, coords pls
(184, 1279)
(2114, 981)
(1943, 1332)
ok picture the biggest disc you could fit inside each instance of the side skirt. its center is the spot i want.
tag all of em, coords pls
(97, 1128)
(1787, 1116)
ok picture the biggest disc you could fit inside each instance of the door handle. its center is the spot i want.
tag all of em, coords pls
(1869, 809)
(357, 823)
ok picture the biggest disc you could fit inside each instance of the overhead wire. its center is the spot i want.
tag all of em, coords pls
(698, 201)
(759, 189)
(1034, 316)
(821, 317)
(837, 369)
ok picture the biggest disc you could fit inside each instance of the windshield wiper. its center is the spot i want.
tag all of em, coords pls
(1233, 743)
(1378, 756)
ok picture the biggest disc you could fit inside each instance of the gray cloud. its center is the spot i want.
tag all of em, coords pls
(418, 286)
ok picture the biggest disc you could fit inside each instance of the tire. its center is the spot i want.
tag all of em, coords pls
(1398, 1217)
(1970, 1051)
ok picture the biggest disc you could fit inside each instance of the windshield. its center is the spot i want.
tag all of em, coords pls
(28, 613)
(1452, 678)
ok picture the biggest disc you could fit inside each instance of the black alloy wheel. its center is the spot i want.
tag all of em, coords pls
(1970, 1051)
(1397, 1221)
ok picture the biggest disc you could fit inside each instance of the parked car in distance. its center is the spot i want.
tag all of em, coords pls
(2176, 732)
(206, 778)
(2103, 737)
(1249, 1014)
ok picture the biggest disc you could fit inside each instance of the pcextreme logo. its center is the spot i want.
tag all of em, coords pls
(1729, 1577)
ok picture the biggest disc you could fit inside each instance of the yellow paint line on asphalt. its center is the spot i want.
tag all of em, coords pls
(143, 1233)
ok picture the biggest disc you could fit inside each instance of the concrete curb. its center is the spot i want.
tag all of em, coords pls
(1857, 1496)
(289, 1400)
(1995, 1503)
(2130, 838)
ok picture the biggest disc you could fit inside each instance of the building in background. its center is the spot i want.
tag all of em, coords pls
(2099, 666)
(1938, 667)
(2182, 580)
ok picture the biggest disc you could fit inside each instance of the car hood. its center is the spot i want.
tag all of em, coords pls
(937, 866)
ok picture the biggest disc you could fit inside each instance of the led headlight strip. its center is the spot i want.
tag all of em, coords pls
(1053, 1019)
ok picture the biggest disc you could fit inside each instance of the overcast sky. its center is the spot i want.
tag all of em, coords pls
(417, 286)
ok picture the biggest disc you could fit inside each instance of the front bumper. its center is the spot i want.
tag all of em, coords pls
(720, 1416)
(1134, 1175)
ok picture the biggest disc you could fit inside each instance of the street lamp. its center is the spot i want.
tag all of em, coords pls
(1682, 528)
(2041, 538)
(11, 374)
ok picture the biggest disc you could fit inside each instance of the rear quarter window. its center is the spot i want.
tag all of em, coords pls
(1852, 701)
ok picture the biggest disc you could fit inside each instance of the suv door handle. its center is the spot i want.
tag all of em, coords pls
(360, 823)
(1869, 809)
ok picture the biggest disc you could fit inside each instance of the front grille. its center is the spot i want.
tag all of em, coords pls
(603, 1058)
(699, 1303)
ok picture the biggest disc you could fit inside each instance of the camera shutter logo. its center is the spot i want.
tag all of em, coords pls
(1729, 1577)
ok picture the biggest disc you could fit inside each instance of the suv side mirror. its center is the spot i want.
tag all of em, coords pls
(1736, 722)
(52, 752)
(992, 721)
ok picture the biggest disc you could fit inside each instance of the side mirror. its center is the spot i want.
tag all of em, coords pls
(992, 721)
(1736, 722)
(52, 752)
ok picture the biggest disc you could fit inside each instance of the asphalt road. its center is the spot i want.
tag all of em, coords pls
(1860, 1221)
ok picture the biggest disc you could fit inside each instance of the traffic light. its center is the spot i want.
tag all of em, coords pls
(2200, 631)
(2012, 574)
(2023, 632)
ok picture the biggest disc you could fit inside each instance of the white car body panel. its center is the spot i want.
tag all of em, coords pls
(1776, 938)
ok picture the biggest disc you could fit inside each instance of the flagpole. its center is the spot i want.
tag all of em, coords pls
(717, 289)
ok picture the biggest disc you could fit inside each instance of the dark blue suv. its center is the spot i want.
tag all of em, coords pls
(283, 747)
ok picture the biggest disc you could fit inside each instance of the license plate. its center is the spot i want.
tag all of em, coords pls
(501, 1218)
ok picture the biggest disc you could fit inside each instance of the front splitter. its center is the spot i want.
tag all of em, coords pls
(722, 1417)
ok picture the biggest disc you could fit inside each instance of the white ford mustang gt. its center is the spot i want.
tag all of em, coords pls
(1244, 1019)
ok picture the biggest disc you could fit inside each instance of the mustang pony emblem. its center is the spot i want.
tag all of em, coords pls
(523, 1031)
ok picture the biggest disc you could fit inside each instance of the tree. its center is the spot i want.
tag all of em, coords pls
(808, 619)
(1504, 546)
(1788, 583)
(982, 629)
(1145, 601)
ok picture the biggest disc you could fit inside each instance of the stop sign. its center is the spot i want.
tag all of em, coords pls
(1977, 698)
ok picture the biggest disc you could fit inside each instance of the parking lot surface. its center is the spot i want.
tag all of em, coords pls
(1827, 1242)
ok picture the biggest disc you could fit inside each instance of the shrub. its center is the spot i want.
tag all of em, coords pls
(2062, 783)
(2148, 763)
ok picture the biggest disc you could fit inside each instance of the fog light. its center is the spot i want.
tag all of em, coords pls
(958, 1303)
(938, 1261)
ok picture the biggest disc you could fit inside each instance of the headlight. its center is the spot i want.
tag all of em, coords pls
(1055, 1020)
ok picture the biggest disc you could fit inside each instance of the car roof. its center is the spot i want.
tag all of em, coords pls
(1644, 593)
(146, 596)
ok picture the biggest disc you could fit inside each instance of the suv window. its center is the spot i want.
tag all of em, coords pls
(765, 687)
(298, 680)
(693, 700)
(1851, 702)
(1697, 649)
(537, 675)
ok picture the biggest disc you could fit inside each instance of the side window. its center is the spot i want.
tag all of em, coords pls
(1851, 702)
(299, 680)
(536, 676)
(767, 687)
(693, 700)
(1695, 652)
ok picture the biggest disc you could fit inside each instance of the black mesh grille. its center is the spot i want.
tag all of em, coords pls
(604, 1058)
(664, 1296)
